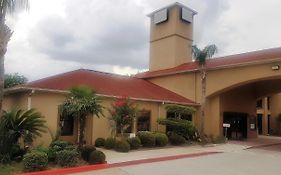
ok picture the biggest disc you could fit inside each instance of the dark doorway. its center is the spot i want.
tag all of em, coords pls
(268, 124)
(238, 125)
(259, 123)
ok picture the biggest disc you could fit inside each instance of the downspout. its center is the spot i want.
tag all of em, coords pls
(29, 100)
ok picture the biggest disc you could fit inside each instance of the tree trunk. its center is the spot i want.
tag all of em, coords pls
(82, 131)
(5, 35)
(203, 100)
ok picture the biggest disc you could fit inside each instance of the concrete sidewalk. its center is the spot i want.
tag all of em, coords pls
(116, 157)
(231, 146)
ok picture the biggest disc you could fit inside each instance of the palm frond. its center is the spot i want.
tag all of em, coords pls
(201, 56)
(210, 50)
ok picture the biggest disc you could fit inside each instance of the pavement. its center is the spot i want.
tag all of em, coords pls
(255, 156)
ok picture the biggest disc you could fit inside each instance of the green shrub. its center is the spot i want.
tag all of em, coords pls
(99, 142)
(16, 153)
(71, 148)
(67, 158)
(122, 146)
(181, 127)
(134, 142)
(52, 152)
(35, 161)
(109, 143)
(40, 149)
(86, 151)
(5, 158)
(176, 139)
(96, 157)
(59, 143)
(147, 138)
(161, 139)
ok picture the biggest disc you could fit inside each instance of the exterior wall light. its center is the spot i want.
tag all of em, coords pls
(275, 67)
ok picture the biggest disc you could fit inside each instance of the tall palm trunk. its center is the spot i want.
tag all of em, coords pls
(5, 35)
(203, 97)
(82, 131)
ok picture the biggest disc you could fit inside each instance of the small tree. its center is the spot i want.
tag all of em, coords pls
(177, 125)
(81, 103)
(15, 79)
(123, 113)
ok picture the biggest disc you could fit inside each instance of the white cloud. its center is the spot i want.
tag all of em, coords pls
(61, 35)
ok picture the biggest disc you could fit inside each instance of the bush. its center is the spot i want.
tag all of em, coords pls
(176, 139)
(17, 153)
(52, 152)
(122, 146)
(161, 139)
(181, 127)
(71, 148)
(67, 158)
(147, 138)
(35, 161)
(99, 142)
(134, 142)
(59, 143)
(109, 143)
(40, 149)
(96, 157)
(86, 151)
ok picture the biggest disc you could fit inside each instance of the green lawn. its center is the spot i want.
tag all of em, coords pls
(12, 168)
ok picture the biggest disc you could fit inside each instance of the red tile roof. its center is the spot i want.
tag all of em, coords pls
(108, 84)
(221, 62)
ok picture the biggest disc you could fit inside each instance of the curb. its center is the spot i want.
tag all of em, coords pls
(262, 146)
(80, 169)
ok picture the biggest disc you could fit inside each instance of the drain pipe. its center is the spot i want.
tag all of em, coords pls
(29, 104)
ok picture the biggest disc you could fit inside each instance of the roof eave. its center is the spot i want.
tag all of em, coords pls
(23, 89)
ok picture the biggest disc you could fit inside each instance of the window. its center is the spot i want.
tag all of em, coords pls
(259, 103)
(66, 126)
(143, 121)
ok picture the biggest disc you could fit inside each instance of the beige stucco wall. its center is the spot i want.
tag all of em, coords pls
(47, 104)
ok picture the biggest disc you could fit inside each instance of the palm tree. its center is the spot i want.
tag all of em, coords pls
(20, 123)
(6, 6)
(201, 57)
(81, 103)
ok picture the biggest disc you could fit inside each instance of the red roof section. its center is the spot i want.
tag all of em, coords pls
(110, 85)
(232, 60)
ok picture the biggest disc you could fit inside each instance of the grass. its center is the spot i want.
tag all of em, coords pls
(10, 169)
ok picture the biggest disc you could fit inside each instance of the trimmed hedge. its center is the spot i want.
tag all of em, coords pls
(161, 139)
(99, 142)
(35, 161)
(122, 146)
(96, 157)
(109, 143)
(59, 143)
(176, 139)
(55, 147)
(147, 138)
(135, 142)
(67, 158)
(86, 151)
